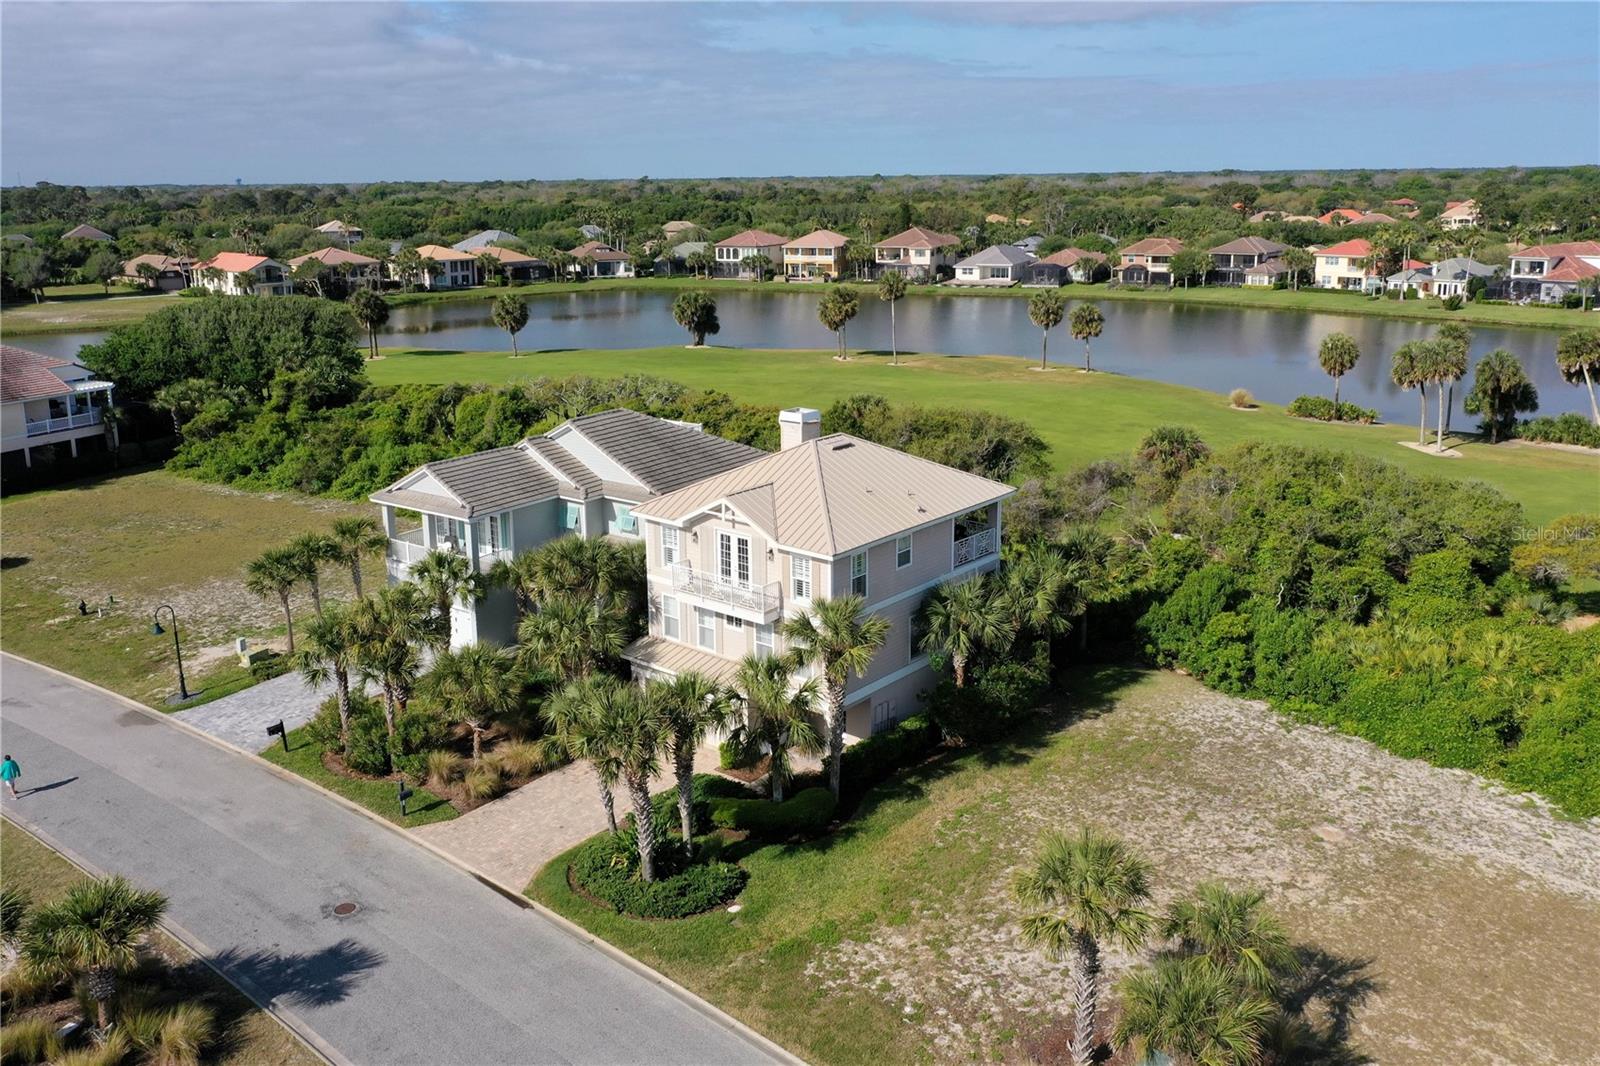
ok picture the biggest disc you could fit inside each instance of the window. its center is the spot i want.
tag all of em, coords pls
(733, 558)
(571, 516)
(733, 621)
(489, 534)
(625, 519)
(671, 620)
(858, 574)
(705, 628)
(902, 552)
(669, 545)
(883, 715)
(764, 642)
(800, 577)
(449, 533)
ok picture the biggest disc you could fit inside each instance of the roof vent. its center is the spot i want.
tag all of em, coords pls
(841, 446)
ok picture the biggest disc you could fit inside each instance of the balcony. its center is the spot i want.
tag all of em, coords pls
(409, 549)
(38, 427)
(757, 603)
(979, 545)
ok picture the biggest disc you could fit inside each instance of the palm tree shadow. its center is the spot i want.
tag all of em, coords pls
(306, 979)
(1323, 995)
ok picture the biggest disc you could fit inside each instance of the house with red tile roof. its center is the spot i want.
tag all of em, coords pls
(917, 252)
(1344, 266)
(1340, 216)
(243, 274)
(46, 401)
(1548, 272)
(1147, 262)
(1230, 261)
(1460, 214)
(596, 260)
(1069, 264)
(358, 270)
(732, 252)
(818, 254)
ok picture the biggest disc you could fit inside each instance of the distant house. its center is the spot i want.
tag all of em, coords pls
(359, 271)
(733, 251)
(226, 272)
(1369, 218)
(46, 401)
(596, 260)
(675, 259)
(18, 238)
(1414, 275)
(1278, 216)
(1230, 261)
(591, 232)
(1148, 262)
(1069, 264)
(482, 239)
(517, 266)
(1446, 278)
(342, 232)
(86, 232)
(172, 274)
(1548, 272)
(997, 266)
(818, 254)
(676, 228)
(446, 268)
(1268, 272)
(1030, 244)
(1344, 266)
(1460, 214)
(1339, 216)
(915, 252)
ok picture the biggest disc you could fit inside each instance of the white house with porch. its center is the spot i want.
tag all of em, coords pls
(47, 401)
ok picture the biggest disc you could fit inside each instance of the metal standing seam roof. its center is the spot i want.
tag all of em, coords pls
(661, 455)
(671, 657)
(481, 239)
(834, 494)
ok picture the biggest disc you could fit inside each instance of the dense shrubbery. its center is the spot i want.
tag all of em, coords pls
(804, 814)
(607, 867)
(872, 760)
(1563, 429)
(1323, 410)
(706, 791)
(416, 733)
(984, 443)
(993, 702)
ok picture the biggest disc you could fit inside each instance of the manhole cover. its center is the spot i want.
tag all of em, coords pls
(345, 909)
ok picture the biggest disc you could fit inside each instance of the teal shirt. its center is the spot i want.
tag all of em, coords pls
(9, 770)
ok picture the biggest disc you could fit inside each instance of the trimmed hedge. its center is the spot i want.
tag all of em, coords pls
(1563, 429)
(1322, 409)
(607, 867)
(704, 791)
(807, 813)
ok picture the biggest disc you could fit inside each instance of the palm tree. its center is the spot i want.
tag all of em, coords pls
(777, 716)
(1500, 389)
(586, 570)
(1046, 309)
(696, 311)
(488, 267)
(839, 640)
(372, 312)
(962, 618)
(1456, 340)
(836, 308)
(1233, 930)
(474, 685)
(276, 572)
(574, 733)
(510, 313)
(310, 551)
(1299, 261)
(1085, 890)
(1086, 323)
(1091, 552)
(445, 577)
(1338, 355)
(694, 706)
(329, 653)
(1407, 369)
(1445, 363)
(630, 730)
(390, 630)
(94, 930)
(891, 287)
(1578, 356)
(1046, 589)
(354, 539)
(1191, 1011)
(572, 637)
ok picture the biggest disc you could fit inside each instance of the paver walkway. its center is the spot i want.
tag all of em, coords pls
(512, 837)
(242, 718)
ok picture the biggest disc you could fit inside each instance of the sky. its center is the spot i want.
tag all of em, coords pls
(123, 93)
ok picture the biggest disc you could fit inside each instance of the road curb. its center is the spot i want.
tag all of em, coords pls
(566, 925)
(291, 1022)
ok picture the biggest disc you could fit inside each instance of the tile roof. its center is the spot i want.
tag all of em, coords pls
(334, 257)
(1269, 267)
(1069, 257)
(1374, 216)
(1350, 214)
(1550, 251)
(26, 375)
(440, 254)
(600, 253)
(835, 494)
(482, 238)
(86, 232)
(752, 238)
(508, 256)
(234, 262)
(1266, 216)
(662, 455)
(1571, 269)
(163, 263)
(1460, 209)
(997, 255)
(1357, 247)
(917, 237)
(336, 226)
(819, 238)
(1153, 246)
(1250, 246)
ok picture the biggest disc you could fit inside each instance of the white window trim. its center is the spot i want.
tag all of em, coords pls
(909, 551)
(705, 623)
(671, 618)
(866, 584)
(671, 545)
(795, 580)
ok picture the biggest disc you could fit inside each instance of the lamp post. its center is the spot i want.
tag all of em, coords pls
(177, 649)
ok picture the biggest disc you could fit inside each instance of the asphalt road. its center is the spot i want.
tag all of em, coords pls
(432, 968)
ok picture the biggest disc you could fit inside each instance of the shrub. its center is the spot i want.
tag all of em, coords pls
(1222, 655)
(444, 767)
(483, 782)
(29, 1040)
(607, 868)
(1559, 753)
(805, 814)
(1452, 303)
(1241, 398)
(995, 698)
(875, 758)
(524, 758)
(1563, 429)
(269, 666)
(731, 755)
(1443, 719)
(416, 734)
(704, 791)
(1322, 409)
(1172, 627)
(1441, 590)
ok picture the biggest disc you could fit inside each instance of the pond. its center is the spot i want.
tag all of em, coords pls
(1271, 353)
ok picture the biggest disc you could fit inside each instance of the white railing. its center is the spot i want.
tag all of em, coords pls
(761, 599)
(407, 549)
(40, 426)
(982, 543)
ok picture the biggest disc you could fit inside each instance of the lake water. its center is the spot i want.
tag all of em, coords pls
(1271, 353)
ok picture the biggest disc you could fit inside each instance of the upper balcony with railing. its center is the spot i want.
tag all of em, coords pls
(756, 603)
(408, 549)
(976, 546)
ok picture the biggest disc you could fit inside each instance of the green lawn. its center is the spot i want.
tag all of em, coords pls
(1083, 417)
(380, 797)
(895, 939)
(70, 308)
(145, 539)
(250, 1036)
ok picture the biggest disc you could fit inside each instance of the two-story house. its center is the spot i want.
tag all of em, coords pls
(732, 555)
(1548, 272)
(342, 232)
(1230, 261)
(1069, 264)
(592, 259)
(1148, 262)
(515, 265)
(446, 268)
(242, 274)
(360, 271)
(583, 478)
(819, 254)
(1460, 214)
(919, 253)
(997, 266)
(1345, 266)
(46, 401)
(731, 252)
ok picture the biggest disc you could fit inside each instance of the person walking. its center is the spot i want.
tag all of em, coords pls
(9, 772)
